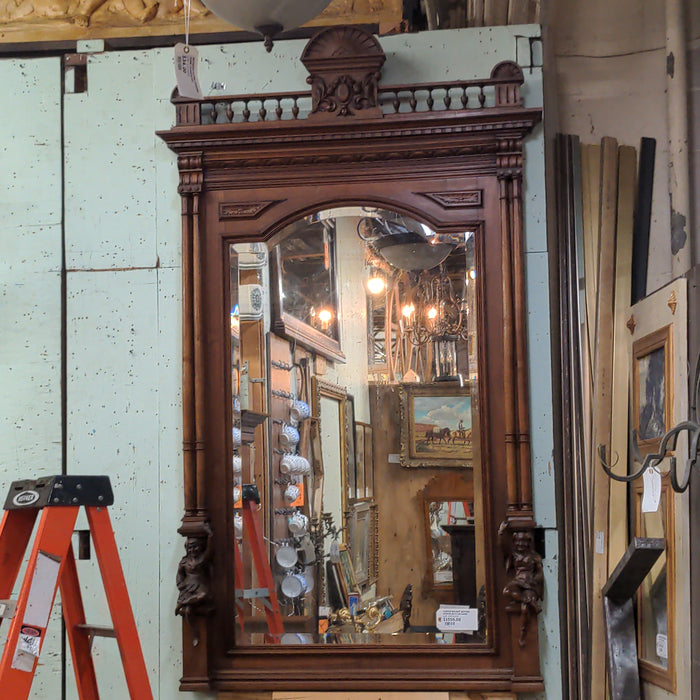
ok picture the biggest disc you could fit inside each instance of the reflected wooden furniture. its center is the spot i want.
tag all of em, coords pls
(448, 153)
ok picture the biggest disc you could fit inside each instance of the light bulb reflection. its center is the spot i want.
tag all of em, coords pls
(325, 316)
(408, 310)
(376, 284)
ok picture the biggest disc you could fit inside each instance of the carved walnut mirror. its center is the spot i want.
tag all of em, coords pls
(351, 257)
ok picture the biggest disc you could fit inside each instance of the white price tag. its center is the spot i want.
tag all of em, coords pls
(662, 646)
(457, 618)
(652, 490)
(186, 71)
(29, 643)
(600, 542)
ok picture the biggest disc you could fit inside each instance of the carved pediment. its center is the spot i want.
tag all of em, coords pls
(344, 68)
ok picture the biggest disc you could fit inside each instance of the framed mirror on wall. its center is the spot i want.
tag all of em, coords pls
(427, 267)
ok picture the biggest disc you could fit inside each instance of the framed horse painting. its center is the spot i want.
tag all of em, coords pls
(436, 425)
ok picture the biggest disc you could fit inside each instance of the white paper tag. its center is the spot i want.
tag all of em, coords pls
(394, 458)
(600, 542)
(662, 646)
(652, 491)
(186, 71)
(29, 643)
(442, 577)
(457, 618)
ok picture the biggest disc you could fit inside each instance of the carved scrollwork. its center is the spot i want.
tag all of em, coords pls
(456, 200)
(525, 588)
(244, 210)
(194, 576)
(345, 96)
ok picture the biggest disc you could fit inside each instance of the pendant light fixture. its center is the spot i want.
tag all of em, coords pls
(267, 17)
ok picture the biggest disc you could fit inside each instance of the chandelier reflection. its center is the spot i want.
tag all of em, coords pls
(433, 312)
(432, 309)
(421, 281)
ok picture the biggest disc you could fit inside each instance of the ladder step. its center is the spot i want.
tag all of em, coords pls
(97, 630)
(249, 593)
(7, 609)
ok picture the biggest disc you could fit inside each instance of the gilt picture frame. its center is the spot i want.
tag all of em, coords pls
(436, 425)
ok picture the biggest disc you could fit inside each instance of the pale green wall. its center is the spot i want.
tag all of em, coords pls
(122, 256)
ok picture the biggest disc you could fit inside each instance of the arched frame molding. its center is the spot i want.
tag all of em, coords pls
(244, 178)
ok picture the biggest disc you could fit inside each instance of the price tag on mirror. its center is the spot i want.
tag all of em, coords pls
(186, 58)
(652, 490)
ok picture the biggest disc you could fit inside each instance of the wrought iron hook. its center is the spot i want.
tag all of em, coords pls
(668, 444)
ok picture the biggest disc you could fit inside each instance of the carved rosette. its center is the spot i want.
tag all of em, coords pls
(344, 68)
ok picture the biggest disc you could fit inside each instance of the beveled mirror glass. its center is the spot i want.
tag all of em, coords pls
(348, 262)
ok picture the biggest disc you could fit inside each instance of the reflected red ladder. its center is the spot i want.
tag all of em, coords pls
(51, 566)
(252, 529)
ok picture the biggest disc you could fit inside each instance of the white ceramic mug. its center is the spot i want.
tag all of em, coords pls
(298, 523)
(291, 493)
(289, 437)
(238, 525)
(293, 585)
(237, 464)
(286, 556)
(236, 432)
(299, 410)
(294, 464)
(288, 463)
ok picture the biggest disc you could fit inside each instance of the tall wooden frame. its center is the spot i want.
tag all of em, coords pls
(266, 165)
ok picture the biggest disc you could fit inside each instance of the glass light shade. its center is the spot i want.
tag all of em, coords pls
(445, 359)
(264, 15)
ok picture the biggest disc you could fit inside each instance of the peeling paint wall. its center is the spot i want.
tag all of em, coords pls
(122, 302)
(605, 72)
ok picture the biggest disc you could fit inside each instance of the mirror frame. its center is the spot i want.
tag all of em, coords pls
(292, 327)
(444, 487)
(244, 181)
(335, 392)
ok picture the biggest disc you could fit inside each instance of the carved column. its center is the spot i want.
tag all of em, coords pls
(508, 346)
(524, 588)
(194, 600)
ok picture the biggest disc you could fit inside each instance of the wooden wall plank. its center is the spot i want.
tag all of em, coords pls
(602, 405)
(519, 11)
(621, 362)
(495, 12)
(590, 185)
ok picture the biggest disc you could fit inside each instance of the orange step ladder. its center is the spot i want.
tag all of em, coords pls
(51, 566)
(250, 498)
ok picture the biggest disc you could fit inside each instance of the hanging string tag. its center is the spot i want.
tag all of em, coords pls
(652, 490)
(186, 71)
(186, 58)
